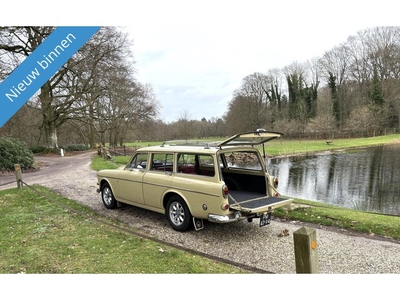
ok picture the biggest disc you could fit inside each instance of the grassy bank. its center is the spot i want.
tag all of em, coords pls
(98, 163)
(283, 146)
(50, 234)
(371, 224)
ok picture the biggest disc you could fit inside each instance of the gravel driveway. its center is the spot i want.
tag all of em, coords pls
(242, 242)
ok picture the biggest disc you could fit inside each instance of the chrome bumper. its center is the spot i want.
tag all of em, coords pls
(236, 216)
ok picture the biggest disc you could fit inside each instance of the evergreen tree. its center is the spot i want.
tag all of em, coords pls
(334, 96)
(376, 94)
(294, 87)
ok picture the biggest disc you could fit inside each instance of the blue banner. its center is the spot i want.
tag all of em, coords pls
(40, 66)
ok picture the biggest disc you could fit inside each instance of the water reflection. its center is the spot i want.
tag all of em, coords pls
(366, 179)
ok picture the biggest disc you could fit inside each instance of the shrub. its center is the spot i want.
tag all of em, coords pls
(14, 151)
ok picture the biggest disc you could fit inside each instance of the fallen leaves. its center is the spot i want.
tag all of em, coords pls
(284, 232)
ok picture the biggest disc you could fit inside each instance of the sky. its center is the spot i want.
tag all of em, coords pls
(195, 54)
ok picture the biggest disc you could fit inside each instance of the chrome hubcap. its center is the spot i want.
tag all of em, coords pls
(107, 196)
(177, 213)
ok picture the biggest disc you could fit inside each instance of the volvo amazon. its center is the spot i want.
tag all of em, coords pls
(193, 181)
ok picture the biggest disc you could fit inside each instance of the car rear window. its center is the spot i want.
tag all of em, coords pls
(241, 160)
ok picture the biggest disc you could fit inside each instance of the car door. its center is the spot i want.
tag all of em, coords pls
(131, 179)
(158, 178)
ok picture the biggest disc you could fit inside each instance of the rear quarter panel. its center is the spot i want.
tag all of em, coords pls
(198, 191)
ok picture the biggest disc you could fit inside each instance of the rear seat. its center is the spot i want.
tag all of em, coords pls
(186, 169)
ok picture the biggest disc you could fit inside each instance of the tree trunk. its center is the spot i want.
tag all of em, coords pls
(110, 137)
(102, 138)
(49, 116)
(92, 140)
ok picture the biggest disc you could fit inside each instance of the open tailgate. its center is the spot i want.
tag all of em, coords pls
(250, 202)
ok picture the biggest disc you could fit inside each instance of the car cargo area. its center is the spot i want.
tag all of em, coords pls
(248, 191)
(254, 183)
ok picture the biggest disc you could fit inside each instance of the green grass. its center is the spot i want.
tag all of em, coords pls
(292, 147)
(99, 163)
(50, 234)
(348, 219)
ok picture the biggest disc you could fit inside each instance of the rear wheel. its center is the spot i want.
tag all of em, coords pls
(108, 197)
(178, 214)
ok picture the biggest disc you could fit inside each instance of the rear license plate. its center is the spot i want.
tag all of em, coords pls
(265, 219)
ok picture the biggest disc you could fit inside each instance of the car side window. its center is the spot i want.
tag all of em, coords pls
(198, 164)
(162, 162)
(139, 161)
(186, 163)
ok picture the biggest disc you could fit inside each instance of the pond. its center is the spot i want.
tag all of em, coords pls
(367, 179)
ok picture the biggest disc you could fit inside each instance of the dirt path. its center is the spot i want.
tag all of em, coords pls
(70, 176)
(242, 242)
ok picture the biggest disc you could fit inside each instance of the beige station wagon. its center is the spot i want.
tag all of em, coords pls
(192, 181)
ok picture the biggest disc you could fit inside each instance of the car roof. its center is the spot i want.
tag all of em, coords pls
(174, 148)
(207, 149)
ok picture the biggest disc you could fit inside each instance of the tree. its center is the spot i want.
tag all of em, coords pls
(240, 114)
(17, 43)
(363, 120)
(184, 126)
(376, 94)
(81, 91)
(302, 96)
(322, 125)
(256, 88)
(334, 97)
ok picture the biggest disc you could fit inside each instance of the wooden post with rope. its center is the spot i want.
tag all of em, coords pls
(18, 175)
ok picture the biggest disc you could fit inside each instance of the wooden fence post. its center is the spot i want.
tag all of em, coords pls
(18, 175)
(305, 250)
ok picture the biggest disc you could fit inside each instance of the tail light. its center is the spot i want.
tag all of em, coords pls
(276, 181)
(225, 190)
(225, 206)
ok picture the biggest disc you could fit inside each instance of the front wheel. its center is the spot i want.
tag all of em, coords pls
(108, 197)
(178, 214)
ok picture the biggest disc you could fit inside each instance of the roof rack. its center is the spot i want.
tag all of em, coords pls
(193, 143)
